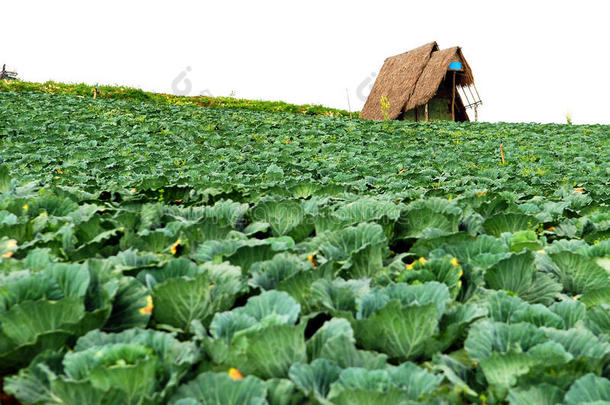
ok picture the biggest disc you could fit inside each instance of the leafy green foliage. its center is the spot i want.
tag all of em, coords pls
(131, 367)
(219, 389)
(147, 251)
(133, 94)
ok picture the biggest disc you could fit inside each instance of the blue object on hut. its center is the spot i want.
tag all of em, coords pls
(455, 66)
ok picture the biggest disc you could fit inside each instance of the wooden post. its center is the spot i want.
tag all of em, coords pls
(426, 115)
(349, 107)
(476, 114)
(453, 98)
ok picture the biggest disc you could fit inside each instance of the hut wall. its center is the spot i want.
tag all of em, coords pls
(411, 115)
(439, 109)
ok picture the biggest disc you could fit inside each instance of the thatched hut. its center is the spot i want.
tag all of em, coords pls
(424, 84)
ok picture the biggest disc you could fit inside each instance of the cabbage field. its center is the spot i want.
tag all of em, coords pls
(165, 254)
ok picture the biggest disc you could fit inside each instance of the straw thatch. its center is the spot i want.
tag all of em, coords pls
(433, 75)
(396, 81)
(413, 78)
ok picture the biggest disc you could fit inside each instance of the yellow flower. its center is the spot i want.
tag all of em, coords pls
(312, 260)
(59, 171)
(174, 248)
(10, 244)
(133, 190)
(459, 283)
(26, 207)
(235, 374)
(476, 363)
(482, 193)
(454, 261)
(147, 310)
(409, 266)
(422, 260)
(461, 273)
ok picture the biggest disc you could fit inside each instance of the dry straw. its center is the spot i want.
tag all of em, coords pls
(412, 78)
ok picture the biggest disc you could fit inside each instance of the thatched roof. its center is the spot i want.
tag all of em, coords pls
(411, 79)
(396, 81)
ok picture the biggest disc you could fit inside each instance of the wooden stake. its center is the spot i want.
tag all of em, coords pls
(476, 114)
(453, 99)
(502, 152)
(349, 107)
(427, 117)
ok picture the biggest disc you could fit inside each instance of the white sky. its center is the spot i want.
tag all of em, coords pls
(532, 60)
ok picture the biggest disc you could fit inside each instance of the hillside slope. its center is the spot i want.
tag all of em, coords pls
(133, 94)
(108, 144)
(155, 253)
